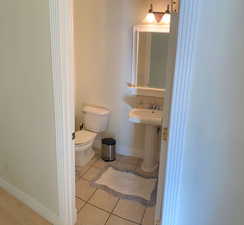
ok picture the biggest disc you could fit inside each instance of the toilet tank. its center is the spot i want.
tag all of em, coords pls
(96, 118)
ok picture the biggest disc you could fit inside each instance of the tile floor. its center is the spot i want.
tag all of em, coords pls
(94, 206)
(98, 207)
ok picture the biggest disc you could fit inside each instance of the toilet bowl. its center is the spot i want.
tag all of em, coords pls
(83, 147)
(95, 122)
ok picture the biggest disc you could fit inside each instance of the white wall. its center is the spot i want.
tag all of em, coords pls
(27, 134)
(103, 45)
(212, 188)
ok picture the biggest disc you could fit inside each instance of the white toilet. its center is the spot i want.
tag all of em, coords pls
(95, 122)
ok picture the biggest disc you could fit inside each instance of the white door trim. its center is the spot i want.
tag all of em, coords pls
(61, 28)
(188, 25)
(170, 70)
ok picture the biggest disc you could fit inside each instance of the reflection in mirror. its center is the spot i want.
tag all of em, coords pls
(152, 59)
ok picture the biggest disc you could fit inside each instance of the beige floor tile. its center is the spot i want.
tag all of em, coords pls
(143, 173)
(114, 220)
(101, 164)
(104, 200)
(92, 173)
(130, 210)
(77, 178)
(80, 170)
(146, 174)
(90, 215)
(125, 166)
(149, 216)
(129, 160)
(84, 190)
(114, 163)
(79, 203)
(93, 160)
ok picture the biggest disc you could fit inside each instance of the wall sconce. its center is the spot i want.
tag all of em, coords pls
(150, 17)
(154, 17)
(166, 16)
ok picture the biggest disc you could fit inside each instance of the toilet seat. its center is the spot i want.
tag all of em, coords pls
(84, 137)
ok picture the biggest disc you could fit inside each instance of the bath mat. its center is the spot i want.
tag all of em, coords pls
(128, 185)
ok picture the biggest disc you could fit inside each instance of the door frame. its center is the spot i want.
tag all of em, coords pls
(62, 54)
(179, 110)
(62, 41)
(172, 49)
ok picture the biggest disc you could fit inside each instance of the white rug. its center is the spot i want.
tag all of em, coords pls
(127, 183)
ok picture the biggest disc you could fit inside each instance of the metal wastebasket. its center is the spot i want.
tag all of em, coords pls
(108, 149)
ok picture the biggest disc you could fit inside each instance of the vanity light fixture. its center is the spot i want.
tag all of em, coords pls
(166, 16)
(154, 17)
(150, 17)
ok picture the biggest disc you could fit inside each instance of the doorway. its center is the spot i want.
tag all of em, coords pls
(66, 93)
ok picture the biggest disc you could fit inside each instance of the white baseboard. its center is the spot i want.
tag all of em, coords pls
(30, 202)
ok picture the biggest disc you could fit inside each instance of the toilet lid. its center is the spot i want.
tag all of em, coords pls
(84, 137)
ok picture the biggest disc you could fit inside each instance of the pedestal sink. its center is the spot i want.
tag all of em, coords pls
(152, 119)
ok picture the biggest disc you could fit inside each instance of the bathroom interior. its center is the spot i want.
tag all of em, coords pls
(123, 59)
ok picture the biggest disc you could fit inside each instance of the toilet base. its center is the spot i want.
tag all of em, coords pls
(83, 157)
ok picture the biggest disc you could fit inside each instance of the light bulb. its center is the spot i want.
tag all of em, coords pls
(150, 18)
(166, 18)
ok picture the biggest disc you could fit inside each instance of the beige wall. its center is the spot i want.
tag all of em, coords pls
(27, 135)
(212, 187)
(103, 46)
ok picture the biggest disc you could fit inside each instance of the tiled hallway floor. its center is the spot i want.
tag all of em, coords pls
(97, 207)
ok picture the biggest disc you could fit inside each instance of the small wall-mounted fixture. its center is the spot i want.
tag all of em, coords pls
(154, 17)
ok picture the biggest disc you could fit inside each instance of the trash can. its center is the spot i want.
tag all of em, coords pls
(108, 149)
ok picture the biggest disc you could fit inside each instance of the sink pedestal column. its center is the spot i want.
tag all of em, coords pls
(149, 163)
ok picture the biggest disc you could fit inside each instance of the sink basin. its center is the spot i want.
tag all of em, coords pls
(146, 116)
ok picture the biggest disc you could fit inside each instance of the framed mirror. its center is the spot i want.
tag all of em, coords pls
(150, 56)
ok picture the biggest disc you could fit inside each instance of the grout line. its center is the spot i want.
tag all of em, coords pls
(108, 218)
(92, 179)
(126, 219)
(115, 205)
(80, 198)
(110, 214)
(144, 213)
(91, 196)
(99, 208)
(82, 178)
(78, 211)
(84, 172)
(86, 201)
(112, 210)
(88, 198)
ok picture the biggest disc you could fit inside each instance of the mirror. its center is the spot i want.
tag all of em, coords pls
(150, 57)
